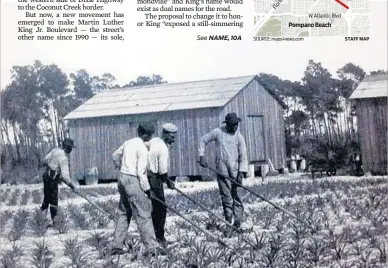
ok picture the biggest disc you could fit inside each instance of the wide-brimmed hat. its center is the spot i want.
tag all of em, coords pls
(68, 142)
(232, 118)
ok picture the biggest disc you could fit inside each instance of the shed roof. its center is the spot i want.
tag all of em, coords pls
(162, 98)
(373, 86)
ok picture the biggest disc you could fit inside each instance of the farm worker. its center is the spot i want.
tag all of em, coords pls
(158, 174)
(231, 162)
(132, 160)
(57, 168)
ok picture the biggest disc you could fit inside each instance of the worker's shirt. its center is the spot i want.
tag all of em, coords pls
(231, 152)
(158, 156)
(132, 157)
(58, 161)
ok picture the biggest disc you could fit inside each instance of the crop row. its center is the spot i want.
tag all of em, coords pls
(26, 196)
(78, 214)
(342, 239)
(270, 190)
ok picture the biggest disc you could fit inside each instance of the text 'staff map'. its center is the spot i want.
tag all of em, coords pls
(304, 18)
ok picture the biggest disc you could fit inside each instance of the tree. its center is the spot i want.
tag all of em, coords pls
(54, 87)
(379, 72)
(34, 105)
(86, 86)
(295, 118)
(24, 107)
(99, 84)
(146, 80)
(82, 86)
(9, 119)
(108, 80)
(350, 76)
(28, 100)
(320, 97)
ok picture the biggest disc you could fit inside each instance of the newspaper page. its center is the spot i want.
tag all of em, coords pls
(193, 133)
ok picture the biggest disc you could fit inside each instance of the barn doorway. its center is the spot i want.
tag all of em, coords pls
(255, 139)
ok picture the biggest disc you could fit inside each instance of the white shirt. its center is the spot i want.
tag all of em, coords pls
(57, 160)
(158, 156)
(132, 157)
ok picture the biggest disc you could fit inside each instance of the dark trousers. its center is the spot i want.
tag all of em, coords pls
(50, 191)
(231, 201)
(159, 211)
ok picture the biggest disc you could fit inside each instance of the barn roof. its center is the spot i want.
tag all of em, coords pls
(163, 97)
(373, 86)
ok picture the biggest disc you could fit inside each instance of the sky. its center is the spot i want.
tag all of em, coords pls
(177, 56)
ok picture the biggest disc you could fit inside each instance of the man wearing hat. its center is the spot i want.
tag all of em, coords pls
(231, 162)
(158, 174)
(132, 160)
(57, 168)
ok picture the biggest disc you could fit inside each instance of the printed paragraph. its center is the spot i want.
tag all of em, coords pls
(67, 20)
(189, 13)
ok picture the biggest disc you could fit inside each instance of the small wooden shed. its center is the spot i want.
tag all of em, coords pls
(105, 121)
(371, 110)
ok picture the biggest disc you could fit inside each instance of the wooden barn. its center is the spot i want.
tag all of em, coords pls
(105, 121)
(371, 109)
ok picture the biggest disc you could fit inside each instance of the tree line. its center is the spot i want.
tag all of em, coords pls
(37, 99)
(319, 116)
(320, 120)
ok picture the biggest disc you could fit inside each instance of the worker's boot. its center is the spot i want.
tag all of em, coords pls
(163, 242)
(53, 213)
(118, 251)
(227, 232)
(155, 251)
(237, 227)
(50, 223)
(47, 220)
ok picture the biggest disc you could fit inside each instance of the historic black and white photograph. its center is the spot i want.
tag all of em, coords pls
(160, 151)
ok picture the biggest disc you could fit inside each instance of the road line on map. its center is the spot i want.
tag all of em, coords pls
(342, 4)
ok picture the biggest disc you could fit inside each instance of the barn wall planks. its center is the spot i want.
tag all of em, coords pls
(381, 120)
(98, 138)
(255, 100)
(372, 129)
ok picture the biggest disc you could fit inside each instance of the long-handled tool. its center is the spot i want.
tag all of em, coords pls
(193, 223)
(205, 208)
(198, 227)
(201, 229)
(266, 200)
(95, 205)
(212, 213)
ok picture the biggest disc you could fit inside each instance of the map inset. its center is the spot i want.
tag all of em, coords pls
(304, 18)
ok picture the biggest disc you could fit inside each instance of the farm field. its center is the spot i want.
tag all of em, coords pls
(350, 215)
